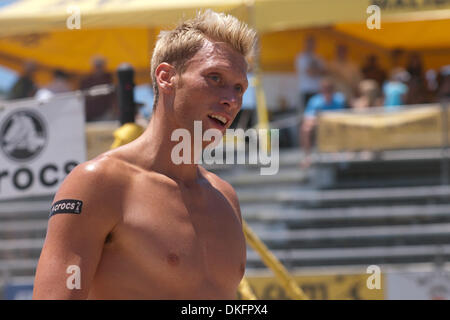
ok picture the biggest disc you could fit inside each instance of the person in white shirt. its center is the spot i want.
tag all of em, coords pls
(60, 82)
(310, 68)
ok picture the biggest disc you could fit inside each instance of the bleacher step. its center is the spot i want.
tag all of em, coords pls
(297, 218)
(341, 256)
(348, 196)
(357, 236)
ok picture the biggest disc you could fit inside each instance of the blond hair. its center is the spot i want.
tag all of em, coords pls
(181, 44)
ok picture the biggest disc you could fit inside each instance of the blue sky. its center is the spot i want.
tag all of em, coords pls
(6, 2)
(7, 78)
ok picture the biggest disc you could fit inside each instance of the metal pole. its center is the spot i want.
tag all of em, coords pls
(125, 94)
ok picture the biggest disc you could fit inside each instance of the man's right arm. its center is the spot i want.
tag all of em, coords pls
(75, 240)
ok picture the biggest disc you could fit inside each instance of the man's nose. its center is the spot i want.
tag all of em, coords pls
(230, 98)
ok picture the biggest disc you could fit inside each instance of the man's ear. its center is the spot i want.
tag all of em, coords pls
(165, 76)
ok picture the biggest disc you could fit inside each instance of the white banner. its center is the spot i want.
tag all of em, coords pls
(433, 285)
(40, 143)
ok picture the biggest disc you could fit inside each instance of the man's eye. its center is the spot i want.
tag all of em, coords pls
(239, 88)
(214, 77)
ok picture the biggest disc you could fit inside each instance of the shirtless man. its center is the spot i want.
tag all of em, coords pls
(147, 228)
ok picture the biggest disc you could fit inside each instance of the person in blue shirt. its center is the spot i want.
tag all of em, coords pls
(327, 99)
(395, 89)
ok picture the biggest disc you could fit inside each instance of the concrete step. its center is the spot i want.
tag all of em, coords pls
(251, 178)
(290, 158)
(343, 217)
(35, 228)
(357, 236)
(19, 209)
(347, 197)
(355, 256)
(400, 155)
(21, 248)
(18, 267)
(251, 271)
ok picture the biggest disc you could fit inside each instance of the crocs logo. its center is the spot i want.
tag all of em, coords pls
(67, 206)
(23, 135)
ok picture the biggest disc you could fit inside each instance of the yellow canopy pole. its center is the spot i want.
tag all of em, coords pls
(245, 290)
(261, 105)
(261, 108)
(285, 279)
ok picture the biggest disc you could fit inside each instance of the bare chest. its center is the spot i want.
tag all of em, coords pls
(182, 240)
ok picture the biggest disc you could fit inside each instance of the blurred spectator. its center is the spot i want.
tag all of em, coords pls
(415, 66)
(431, 84)
(99, 107)
(417, 92)
(24, 87)
(345, 73)
(327, 99)
(396, 58)
(431, 77)
(444, 83)
(395, 89)
(60, 82)
(369, 95)
(371, 70)
(310, 68)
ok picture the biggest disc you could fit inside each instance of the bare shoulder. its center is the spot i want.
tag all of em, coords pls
(224, 187)
(102, 172)
(98, 183)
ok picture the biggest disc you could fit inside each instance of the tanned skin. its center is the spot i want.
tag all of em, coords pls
(151, 229)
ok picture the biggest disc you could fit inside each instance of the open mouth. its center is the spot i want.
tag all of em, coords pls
(222, 121)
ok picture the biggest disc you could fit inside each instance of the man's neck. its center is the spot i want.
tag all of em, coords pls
(156, 151)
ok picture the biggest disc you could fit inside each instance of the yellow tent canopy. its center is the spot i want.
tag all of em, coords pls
(118, 30)
(25, 16)
(411, 25)
(125, 31)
